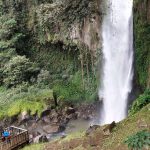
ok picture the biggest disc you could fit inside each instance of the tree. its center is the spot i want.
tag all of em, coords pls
(9, 39)
(17, 70)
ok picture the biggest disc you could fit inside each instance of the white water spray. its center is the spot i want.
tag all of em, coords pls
(117, 33)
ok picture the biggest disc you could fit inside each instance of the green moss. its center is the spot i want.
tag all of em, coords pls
(21, 99)
(21, 106)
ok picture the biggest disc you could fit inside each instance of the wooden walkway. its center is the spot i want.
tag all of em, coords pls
(19, 138)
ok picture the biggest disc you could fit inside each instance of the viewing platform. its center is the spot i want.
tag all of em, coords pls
(18, 138)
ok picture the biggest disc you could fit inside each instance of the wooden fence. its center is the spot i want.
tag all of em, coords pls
(18, 138)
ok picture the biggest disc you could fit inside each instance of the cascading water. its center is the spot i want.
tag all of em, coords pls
(117, 33)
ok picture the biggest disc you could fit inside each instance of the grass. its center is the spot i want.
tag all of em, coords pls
(23, 105)
(17, 100)
(126, 128)
(123, 129)
(74, 135)
(34, 147)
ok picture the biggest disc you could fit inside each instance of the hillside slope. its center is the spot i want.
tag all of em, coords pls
(96, 140)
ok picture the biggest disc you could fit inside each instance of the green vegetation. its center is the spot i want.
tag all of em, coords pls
(36, 53)
(34, 147)
(139, 140)
(19, 69)
(23, 98)
(73, 90)
(75, 135)
(142, 42)
(128, 127)
(142, 100)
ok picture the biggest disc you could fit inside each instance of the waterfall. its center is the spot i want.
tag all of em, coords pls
(117, 34)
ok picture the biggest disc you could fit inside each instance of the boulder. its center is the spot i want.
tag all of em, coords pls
(24, 115)
(13, 119)
(45, 113)
(55, 120)
(54, 114)
(43, 139)
(40, 139)
(34, 137)
(32, 127)
(46, 119)
(108, 128)
(73, 116)
(30, 138)
(49, 129)
(62, 127)
(6, 122)
(70, 110)
(86, 117)
(64, 121)
(91, 129)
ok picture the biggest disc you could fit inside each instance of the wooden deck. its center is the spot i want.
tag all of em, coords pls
(19, 138)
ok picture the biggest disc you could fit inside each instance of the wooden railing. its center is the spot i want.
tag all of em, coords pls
(19, 138)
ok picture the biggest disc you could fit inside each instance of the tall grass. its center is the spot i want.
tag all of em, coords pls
(20, 99)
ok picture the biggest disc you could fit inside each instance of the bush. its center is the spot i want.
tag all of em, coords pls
(139, 140)
(10, 37)
(71, 90)
(43, 78)
(142, 101)
(7, 27)
(17, 70)
(74, 91)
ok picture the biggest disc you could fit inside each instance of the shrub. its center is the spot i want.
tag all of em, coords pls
(43, 78)
(142, 101)
(74, 91)
(139, 140)
(17, 70)
(7, 27)
(10, 37)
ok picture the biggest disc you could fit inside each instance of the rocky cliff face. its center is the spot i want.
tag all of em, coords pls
(69, 22)
(142, 45)
(78, 21)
